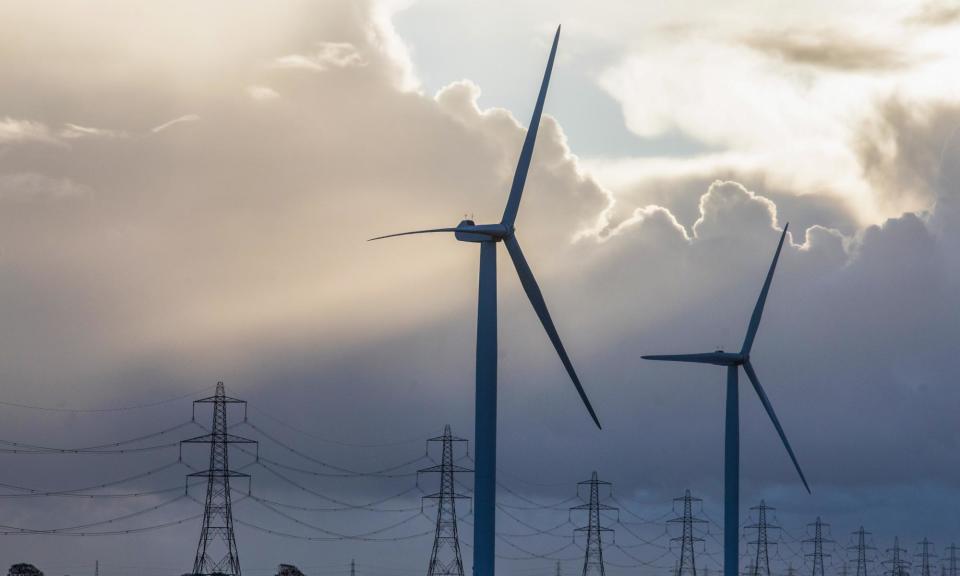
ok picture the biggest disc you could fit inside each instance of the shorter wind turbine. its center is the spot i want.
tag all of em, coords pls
(733, 361)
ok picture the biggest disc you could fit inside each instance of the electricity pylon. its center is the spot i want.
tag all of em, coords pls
(862, 547)
(817, 540)
(761, 562)
(353, 567)
(445, 560)
(897, 565)
(593, 557)
(925, 554)
(217, 550)
(951, 566)
(688, 563)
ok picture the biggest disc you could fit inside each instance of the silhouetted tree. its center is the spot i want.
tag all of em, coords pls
(24, 570)
(288, 570)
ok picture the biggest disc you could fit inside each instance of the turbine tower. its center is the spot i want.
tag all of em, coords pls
(733, 361)
(488, 236)
(593, 555)
(445, 560)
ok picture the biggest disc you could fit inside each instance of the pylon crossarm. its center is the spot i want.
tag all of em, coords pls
(438, 495)
(441, 468)
(228, 438)
(598, 506)
(218, 474)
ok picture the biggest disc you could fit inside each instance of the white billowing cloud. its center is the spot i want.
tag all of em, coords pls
(793, 98)
(746, 84)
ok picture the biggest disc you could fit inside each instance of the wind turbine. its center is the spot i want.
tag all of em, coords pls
(733, 361)
(488, 235)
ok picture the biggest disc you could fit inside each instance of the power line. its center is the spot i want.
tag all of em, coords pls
(105, 410)
(283, 422)
(42, 531)
(343, 471)
(138, 476)
(342, 503)
(99, 448)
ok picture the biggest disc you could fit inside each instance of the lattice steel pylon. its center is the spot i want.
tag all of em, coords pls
(445, 559)
(951, 565)
(593, 556)
(818, 540)
(925, 554)
(897, 565)
(687, 565)
(861, 547)
(761, 562)
(217, 549)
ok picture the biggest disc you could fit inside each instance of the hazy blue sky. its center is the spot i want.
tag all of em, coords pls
(186, 190)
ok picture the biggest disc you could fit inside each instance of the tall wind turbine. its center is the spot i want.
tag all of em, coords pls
(488, 235)
(733, 361)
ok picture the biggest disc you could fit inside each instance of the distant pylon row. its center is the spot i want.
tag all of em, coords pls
(217, 554)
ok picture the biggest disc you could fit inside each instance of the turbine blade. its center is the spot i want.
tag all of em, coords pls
(706, 358)
(536, 299)
(773, 417)
(431, 231)
(526, 153)
(758, 309)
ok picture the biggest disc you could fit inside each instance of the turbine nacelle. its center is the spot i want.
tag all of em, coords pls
(468, 231)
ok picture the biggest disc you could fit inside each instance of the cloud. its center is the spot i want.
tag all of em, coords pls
(31, 186)
(326, 56)
(935, 14)
(236, 250)
(258, 92)
(73, 131)
(829, 50)
(13, 130)
(179, 120)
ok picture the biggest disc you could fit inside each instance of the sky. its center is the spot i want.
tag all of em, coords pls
(186, 190)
